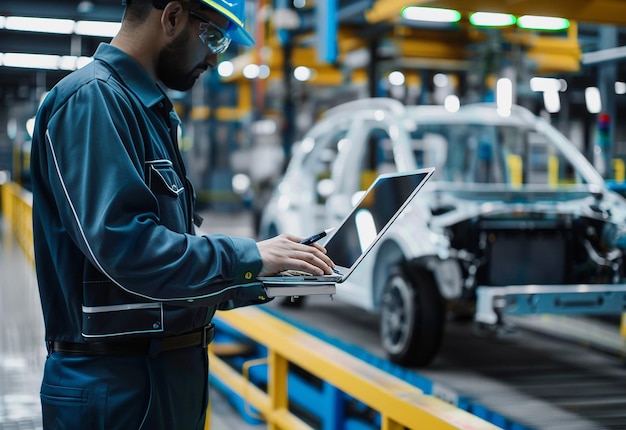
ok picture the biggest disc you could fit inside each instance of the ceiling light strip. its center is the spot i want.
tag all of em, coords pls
(484, 19)
(42, 61)
(60, 26)
(40, 25)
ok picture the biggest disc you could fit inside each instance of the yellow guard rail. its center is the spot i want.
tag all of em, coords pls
(400, 404)
(17, 209)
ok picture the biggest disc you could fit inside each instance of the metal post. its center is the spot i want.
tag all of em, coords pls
(607, 75)
(372, 67)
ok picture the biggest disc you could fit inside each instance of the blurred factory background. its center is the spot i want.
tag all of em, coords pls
(560, 60)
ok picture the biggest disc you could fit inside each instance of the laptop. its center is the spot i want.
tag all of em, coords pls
(349, 243)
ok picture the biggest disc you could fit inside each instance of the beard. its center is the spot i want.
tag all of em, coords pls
(170, 67)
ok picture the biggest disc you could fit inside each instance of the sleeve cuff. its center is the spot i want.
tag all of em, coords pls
(248, 263)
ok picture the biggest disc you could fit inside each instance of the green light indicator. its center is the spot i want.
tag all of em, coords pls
(547, 23)
(489, 19)
(430, 14)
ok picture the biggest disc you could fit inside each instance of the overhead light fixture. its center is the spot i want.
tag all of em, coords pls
(431, 14)
(226, 69)
(504, 96)
(485, 19)
(552, 101)
(97, 28)
(251, 71)
(303, 74)
(30, 61)
(396, 78)
(67, 62)
(441, 80)
(60, 26)
(264, 71)
(41, 61)
(452, 103)
(489, 19)
(40, 25)
(546, 23)
(539, 84)
(83, 61)
(593, 100)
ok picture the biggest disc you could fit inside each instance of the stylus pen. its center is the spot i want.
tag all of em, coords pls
(312, 239)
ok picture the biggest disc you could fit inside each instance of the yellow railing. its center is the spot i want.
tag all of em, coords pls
(17, 204)
(515, 167)
(400, 404)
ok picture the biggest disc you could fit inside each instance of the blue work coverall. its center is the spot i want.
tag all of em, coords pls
(117, 257)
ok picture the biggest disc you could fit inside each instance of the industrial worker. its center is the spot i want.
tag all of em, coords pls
(128, 289)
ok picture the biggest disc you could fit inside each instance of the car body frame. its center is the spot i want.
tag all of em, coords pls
(514, 221)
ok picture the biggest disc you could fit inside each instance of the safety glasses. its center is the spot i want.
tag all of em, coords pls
(211, 35)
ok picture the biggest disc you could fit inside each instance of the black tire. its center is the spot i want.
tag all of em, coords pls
(412, 317)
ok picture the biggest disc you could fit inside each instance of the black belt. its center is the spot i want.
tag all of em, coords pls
(202, 337)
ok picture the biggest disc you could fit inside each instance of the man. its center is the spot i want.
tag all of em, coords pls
(127, 289)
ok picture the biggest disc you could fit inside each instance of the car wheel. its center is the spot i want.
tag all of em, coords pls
(412, 317)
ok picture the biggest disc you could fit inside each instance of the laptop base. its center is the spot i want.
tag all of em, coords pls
(282, 290)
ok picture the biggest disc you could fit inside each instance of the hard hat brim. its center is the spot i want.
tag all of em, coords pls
(233, 10)
(239, 35)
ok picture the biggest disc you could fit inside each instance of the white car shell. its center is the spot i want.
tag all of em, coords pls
(512, 172)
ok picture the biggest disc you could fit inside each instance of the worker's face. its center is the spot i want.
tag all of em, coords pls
(182, 62)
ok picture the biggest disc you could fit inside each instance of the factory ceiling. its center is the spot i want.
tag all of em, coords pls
(17, 83)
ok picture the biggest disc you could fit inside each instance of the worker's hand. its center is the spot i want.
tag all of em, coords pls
(285, 252)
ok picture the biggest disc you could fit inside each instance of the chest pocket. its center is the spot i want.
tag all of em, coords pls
(169, 191)
(163, 178)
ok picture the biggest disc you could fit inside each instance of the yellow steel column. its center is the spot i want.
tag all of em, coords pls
(515, 165)
(277, 384)
(388, 424)
(207, 421)
(553, 170)
(5, 201)
(619, 169)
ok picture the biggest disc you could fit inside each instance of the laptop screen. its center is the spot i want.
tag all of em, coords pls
(372, 215)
